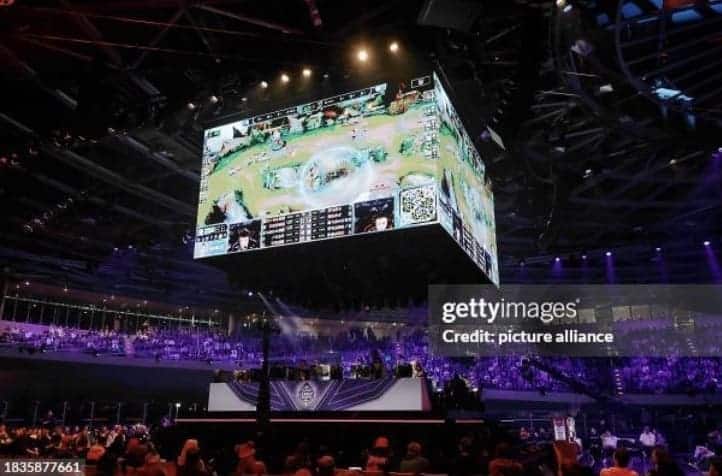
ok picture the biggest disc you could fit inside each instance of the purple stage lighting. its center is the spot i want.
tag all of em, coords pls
(609, 267)
(713, 263)
(557, 267)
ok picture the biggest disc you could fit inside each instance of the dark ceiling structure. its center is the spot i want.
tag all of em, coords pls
(609, 113)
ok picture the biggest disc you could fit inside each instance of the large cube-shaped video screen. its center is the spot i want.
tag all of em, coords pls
(466, 199)
(390, 156)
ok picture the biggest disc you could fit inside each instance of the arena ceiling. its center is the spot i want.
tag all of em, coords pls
(103, 103)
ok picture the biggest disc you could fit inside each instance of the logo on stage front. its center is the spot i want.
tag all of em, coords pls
(306, 394)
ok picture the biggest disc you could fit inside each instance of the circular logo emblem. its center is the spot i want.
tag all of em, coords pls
(306, 394)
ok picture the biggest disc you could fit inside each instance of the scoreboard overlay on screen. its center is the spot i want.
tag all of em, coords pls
(390, 156)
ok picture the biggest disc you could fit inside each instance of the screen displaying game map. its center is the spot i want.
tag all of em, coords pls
(466, 199)
(365, 161)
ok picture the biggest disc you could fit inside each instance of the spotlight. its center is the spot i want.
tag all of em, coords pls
(325, 75)
(672, 161)
(608, 253)
(584, 257)
(658, 249)
(561, 3)
(706, 243)
(264, 84)
(306, 72)
(213, 99)
(191, 106)
(394, 47)
(250, 293)
(285, 78)
(362, 55)
(557, 259)
(244, 99)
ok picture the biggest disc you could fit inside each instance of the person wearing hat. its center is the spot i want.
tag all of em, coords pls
(247, 462)
(413, 462)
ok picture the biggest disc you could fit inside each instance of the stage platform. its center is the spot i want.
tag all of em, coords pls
(353, 395)
(348, 419)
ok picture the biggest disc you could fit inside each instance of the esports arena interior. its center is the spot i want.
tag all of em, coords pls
(226, 227)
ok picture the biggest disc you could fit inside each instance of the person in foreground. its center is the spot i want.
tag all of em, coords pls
(414, 462)
(621, 461)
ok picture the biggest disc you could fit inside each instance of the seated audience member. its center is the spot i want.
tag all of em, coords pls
(96, 451)
(135, 452)
(464, 463)
(152, 465)
(621, 461)
(247, 462)
(663, 464)
(189, 461)
(379, 456)
(648, 440)
(294, 467)
(325, 466)
(715, 467)
(503, 464)
(413, 462)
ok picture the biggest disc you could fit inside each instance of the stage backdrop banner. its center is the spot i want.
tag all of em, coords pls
(389, 394)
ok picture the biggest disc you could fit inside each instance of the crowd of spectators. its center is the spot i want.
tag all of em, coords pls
(119, 449)
(682, 370)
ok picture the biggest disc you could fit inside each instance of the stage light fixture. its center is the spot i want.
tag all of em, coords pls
(306, 72)
(658, 249)
(394, 47)
(191, 106)
(362, 55)
(672, 161)
(264, 84)
(213, 99)
(584, 257)
(285, 78)
(561, 3)
(706, 243)
(608, 253)
(557, 259)
(244, 99)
